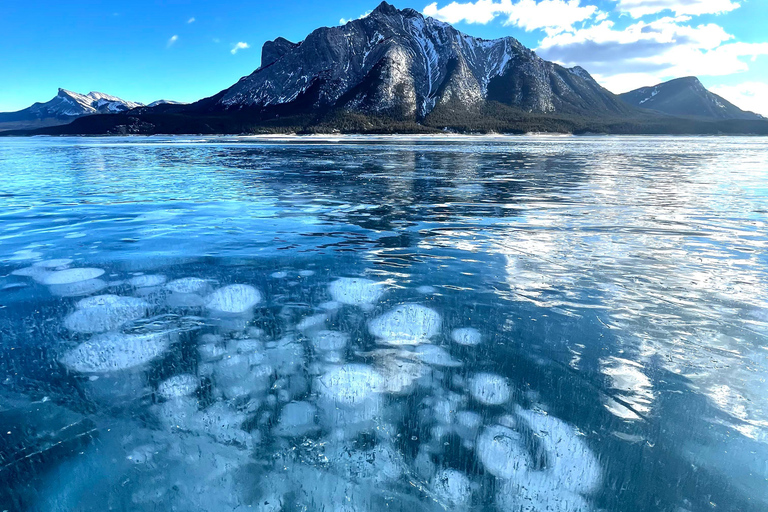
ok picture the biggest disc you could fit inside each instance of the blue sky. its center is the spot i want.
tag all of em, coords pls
(145, 50)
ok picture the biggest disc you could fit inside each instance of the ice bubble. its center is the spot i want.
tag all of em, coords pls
(570, 462)
(331, 305)
(72, 275)
(234, 299)
(242, 375)
(39, 274)
(297, 419)
(116, 351)
(535, 493)
(398, 371)
(489, 389)
(58, 263)
(426, 289)
(142, 454)
(502, 452)
(104, 313)
(408, 324)
(355, 291)
(146, 281)
(188, 285)
(453, 488)
(306, 273)
(279, 275)
(211, 351)
(312, 322)
(286, 355)
(349, 385)
(467, 424)
(382, 463)
(224, 424)
(467, 336)
(436, 356)
(326, 341)
(177, 386)
(78, 289)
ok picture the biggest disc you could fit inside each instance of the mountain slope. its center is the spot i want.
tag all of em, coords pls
(685, 97)
(401, 64)
(64, 108)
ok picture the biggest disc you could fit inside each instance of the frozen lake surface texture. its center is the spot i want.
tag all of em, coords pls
(529, 324)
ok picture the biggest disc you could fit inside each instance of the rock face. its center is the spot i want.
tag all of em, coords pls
(404, 65)
(686, 97)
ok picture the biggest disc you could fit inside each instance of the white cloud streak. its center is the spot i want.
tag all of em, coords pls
(191, 20)
(640, 8)
(553, 16)
(239, 46)
(172, 41)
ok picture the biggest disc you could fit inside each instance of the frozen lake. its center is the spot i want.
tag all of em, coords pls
(559, 324)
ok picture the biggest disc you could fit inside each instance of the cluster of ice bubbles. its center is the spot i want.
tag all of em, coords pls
(323, 418)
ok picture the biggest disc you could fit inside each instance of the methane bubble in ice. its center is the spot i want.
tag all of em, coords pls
(279, 274)
(297, 419)
(436, 356)
(467, 336)
(355, 291)
(327, 341)
(349, 385)
(234, 299)
(55, 264)
(502, 452)
(73, 275)
(146, 281)
(453, 488)
(408, 324)
(104, 313)
(534, 492)
(39, 274)
(570, 462)
(489, 389)
(116, 351)
(187, 285)
(178, 386)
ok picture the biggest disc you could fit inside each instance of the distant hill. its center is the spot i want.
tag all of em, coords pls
(686, 97)
(65, 107)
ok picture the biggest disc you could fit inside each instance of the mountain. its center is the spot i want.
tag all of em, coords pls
(686, 97)
(64, 108)
(398, 71)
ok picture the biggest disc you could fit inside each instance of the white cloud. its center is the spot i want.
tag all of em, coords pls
(239, 46)
(646, 53)
(191, 20)
(640, 8)
(554, 16)
(172, 41)
(752, 96)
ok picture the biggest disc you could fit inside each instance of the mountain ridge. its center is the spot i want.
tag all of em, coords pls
(686, 96)
(399, 71)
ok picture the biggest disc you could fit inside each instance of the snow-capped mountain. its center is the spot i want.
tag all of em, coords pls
(400, 63)
(686, 97)
(63, 108)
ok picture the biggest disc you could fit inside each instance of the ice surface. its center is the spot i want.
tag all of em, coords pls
(436, 356)
(408, 324)
(534, 492)
(188, 285)
(356, 291)
(325, 341)
(54, 264)
(489, 388)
